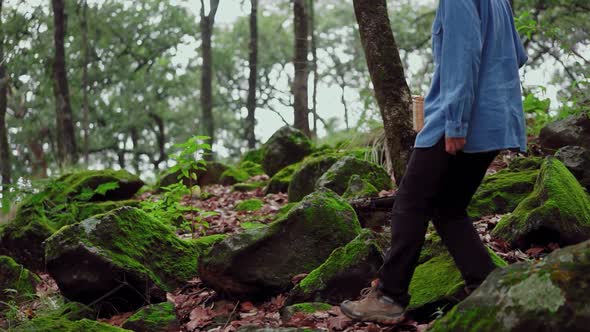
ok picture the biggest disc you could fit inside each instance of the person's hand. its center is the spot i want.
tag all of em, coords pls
(454, 144)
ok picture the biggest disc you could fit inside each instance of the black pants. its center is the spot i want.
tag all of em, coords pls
(437, 186)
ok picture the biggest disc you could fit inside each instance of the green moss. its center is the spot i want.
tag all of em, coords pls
(234, 175)
(284, 210)
(251, 224)
(16, 282)
(558, 203)
(53, 324)
(529, 163)
(501, 192)
(338, 176)
(132, 241)
(359, 188)
(248, 186)
(280, 182)
(310, 307)
(250, 205)
(339, 261)
(251, 168)
(477, 319)
(254, 156)
(58, 205)
(157, 317)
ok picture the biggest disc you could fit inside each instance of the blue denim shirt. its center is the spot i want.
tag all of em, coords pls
(476, 90)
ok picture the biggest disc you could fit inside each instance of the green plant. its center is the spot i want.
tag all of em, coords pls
(538, 113)
(187, 162)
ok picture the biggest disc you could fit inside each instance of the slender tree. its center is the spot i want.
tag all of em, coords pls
(66, 139)
(300, 105)
(5, 163)
(314, 67)
(85, 63)
(253, 76)
(207, 21)
(387, 74)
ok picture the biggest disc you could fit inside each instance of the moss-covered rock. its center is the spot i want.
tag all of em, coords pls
(251, 168)
(285, 147)
(437, 282)
(558, 210)
(342, 276)
(233, 175)
(249, 186)
(210, 175)
(16, 282)
(280, 182)
(303, 181)
(501, 192)
(66, 200)
(547, 295)
(254, 156)
(250, 205)
(53, 324)
(154, 318)
(359, 188)
(338, 176)
(307, 308)
(122, 254)
(577, 160)
(525, 163)
(261, 262)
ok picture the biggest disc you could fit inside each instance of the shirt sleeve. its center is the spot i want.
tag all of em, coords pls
(460, 62)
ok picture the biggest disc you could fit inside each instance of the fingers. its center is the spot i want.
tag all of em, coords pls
(454, 145)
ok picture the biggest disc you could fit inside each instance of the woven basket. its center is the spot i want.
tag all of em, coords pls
(418, 112)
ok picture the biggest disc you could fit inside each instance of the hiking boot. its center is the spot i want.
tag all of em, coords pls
(373, 306)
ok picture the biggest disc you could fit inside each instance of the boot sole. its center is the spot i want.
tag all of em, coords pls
(382, 319)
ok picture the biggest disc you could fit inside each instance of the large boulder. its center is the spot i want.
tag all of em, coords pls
(338, 176)
(122, 259)
(359, 189)
(285, 147)
(211, 174)
(342, 276)
(16, 282)
(54, 324)
(577, 160)
(159, 317)
(573, 130)
(558, 210)
(66, 200)
(437, 282)
(547, 295)
(261, 262)
(500, 193)
(303, 181)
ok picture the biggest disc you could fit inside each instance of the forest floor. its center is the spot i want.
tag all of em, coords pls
(201, 309)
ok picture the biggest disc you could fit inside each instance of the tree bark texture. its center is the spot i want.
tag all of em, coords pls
(301, 26)
(314, 64)
(66, 139)
(252, 78)
(207, 21)
(387, 74)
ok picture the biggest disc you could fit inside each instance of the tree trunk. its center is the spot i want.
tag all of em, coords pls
(5, 163)
(301, 25)
(86, 60)
(206, 23)
(252, 79)
(314, 64)
(66, 139)
(387, 74)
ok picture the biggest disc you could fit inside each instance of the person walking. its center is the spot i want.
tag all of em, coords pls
(473, 110)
